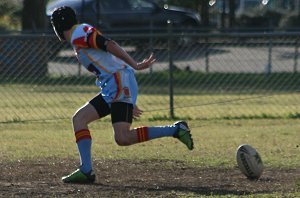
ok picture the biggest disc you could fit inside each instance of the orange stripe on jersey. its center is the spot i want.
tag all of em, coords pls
(80, 42)
(119, 85)
(95, 63)
(82, 134)
(142, 134)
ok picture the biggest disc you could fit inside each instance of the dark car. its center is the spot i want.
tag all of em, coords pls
(128, 15)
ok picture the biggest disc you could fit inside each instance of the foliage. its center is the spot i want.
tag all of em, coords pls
(260, 18)
(8, 7)
(291, 20)
(10, 14)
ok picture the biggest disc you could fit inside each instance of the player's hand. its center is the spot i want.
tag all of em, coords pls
(146, 62)
(136, 113)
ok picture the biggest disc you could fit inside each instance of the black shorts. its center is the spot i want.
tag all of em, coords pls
(120, 111)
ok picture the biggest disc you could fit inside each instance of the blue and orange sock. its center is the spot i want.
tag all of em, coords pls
(84, 144)
(149, 133)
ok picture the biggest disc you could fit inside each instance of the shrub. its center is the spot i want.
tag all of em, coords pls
(260, 18)
(290, 21)
(10, 14)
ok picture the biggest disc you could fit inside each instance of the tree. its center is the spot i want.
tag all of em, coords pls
(34, 54)
(297, 6)
(204, 11)
(231, 13)
(33, 15)
(223, 15)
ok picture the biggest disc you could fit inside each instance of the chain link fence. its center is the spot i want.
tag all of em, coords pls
(196, 76)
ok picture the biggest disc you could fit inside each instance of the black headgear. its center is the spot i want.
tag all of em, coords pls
(62, 19)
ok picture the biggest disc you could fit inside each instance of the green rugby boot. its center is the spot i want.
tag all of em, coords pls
(79, 177)
(183, 134)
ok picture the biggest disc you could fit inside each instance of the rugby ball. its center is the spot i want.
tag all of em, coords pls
(249, 161)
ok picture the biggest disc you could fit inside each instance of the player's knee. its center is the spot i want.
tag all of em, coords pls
(75, 119)
(122, 139)
(78, 119)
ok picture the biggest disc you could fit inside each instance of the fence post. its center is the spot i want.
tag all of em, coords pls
(171, 68)
(79, 70)
(206, 55)
(295, 69)
(268, 68)
(151, 41)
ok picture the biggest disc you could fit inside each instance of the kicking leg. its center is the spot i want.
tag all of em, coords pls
(122, 118)
(125, 137)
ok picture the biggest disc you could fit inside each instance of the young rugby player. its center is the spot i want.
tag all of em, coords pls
(114, 70)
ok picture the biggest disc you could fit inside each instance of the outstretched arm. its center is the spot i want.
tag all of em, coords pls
(96, 40)
(119, 52)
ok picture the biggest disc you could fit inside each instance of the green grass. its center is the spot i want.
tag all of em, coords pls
(216, 141)
(196, 96)
(184, 82)
(42, 102)
(35, 123)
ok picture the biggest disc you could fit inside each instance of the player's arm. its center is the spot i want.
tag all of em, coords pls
(119, 52)
(98, 41)
(113, 48)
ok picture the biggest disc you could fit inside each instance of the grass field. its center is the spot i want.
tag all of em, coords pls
(26, 144)
(215, 142)
(37, 140)
(48, 102)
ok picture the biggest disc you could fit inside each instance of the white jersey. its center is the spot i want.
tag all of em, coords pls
(103, 64)
(115, 78)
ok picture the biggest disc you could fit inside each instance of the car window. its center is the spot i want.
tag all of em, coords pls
(140, 5)
(251, 4)
(116, 5)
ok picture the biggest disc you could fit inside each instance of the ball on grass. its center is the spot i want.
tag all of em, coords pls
(249, 161)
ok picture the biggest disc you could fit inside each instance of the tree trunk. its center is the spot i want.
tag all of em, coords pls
(204, 12)
(34, 15)
(223, 15)
(34, 53)
(231, 13)
(297, 6)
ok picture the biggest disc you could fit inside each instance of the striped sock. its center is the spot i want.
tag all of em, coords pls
(148, 133)
(84, 144)
(142, 134)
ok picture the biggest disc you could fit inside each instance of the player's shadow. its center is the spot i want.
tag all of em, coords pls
(197, 190)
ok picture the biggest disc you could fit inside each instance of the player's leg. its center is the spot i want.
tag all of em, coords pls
(122, 118)
(88, 113)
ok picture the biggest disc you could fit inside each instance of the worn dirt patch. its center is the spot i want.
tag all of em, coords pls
(127, 178)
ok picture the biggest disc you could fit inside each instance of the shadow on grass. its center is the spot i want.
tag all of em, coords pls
(162, 190)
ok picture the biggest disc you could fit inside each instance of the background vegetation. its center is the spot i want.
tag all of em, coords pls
(10, 15)
(16, 15)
